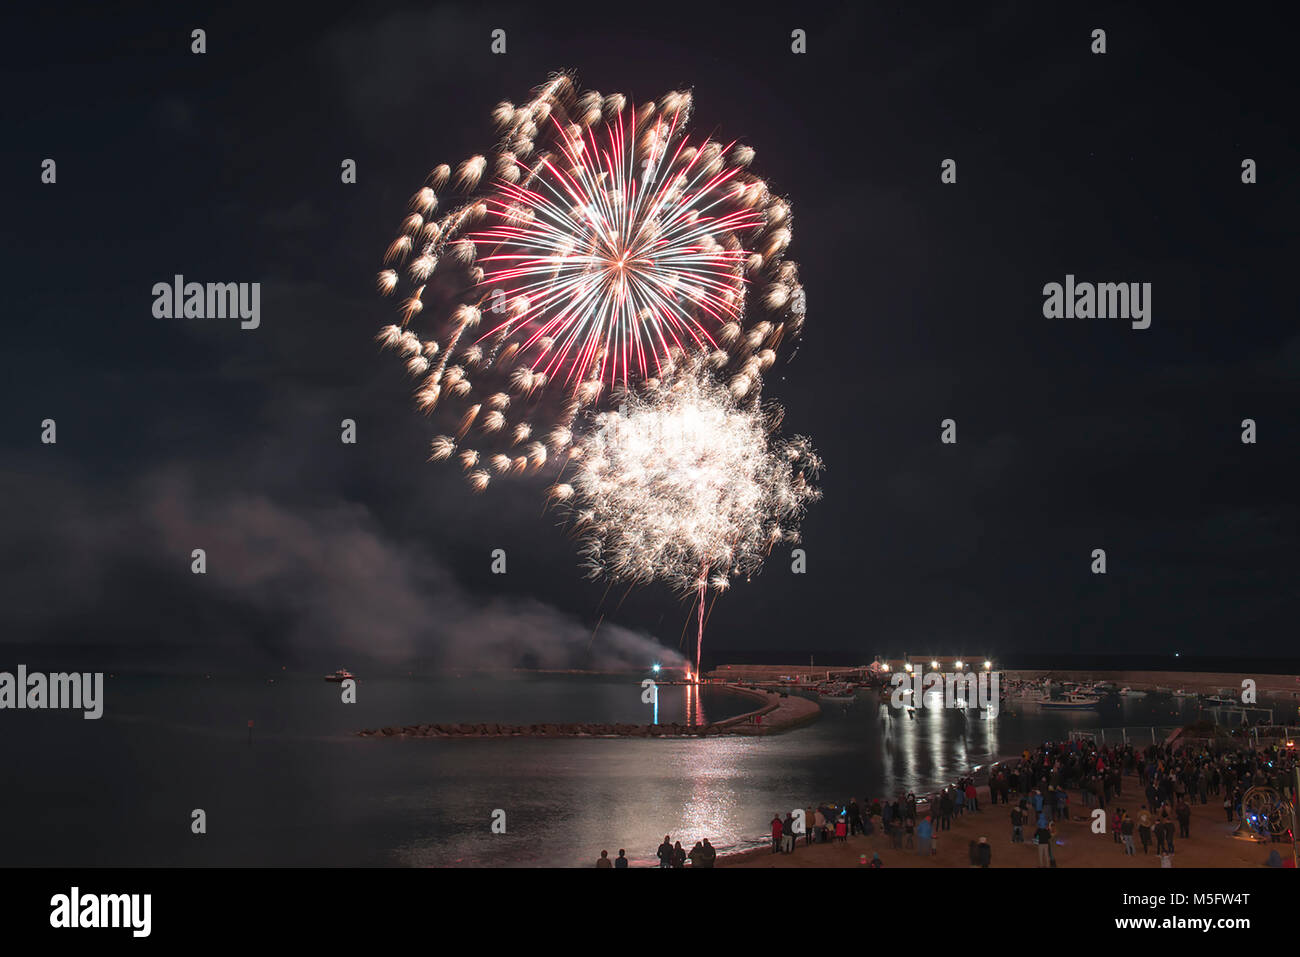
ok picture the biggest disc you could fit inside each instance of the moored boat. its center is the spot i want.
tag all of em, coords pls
(1074, 702)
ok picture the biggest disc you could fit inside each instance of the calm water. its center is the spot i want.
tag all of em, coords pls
(120, 791)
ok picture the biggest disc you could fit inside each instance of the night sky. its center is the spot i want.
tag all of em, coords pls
(924, 302)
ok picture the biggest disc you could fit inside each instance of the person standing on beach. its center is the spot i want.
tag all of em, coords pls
(604, 860)
(972, 795)
(984, 852)
(809, 816)
(1126, 831)
(855, 817)
(1184, 813)
(776, 833)
(909, 827)
(1043, 838)
(1144, 828)
(1017, 826)
(708, 855)
(923, 832)
(665, 853)
(841, 827)
(621, 860)
(787, 834)
(679, 855)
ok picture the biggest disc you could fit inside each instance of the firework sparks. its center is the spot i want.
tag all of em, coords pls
(570, 263)
(687, 485)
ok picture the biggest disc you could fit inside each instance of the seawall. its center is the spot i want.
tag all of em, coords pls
(774, 715)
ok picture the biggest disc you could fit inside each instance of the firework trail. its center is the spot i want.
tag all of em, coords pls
(687, 484)
(592, 242)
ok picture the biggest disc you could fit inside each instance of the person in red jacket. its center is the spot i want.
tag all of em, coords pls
(972, 796)
(776, 833)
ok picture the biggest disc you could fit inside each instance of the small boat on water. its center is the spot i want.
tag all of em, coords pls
(1131, 693)
(1030, 696)
(1180, 693)
(837, 691)
(1073, 702)
(341, 675)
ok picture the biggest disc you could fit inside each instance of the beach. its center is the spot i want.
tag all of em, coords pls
(1211, 843)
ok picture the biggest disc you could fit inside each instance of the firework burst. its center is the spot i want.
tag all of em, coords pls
(687, 485)
(570, 262)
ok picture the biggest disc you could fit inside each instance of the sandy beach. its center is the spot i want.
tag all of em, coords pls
(1211, 843)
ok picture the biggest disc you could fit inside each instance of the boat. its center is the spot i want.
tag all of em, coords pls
(836, 691)
(1031, 695)
(1073, 702)
(1180, 693)
(341, 675)
(1080, 687)
(1131, 693)
(1219, 701)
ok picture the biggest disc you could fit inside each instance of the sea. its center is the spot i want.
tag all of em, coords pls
(282, 779)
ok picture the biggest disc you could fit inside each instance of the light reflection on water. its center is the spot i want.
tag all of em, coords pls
(308, 792)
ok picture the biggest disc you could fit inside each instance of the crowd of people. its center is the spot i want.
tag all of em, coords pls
(1035, 789)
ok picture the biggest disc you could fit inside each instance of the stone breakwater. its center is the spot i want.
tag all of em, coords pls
(775, 715)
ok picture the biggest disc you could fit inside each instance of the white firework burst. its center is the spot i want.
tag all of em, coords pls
(687, 485)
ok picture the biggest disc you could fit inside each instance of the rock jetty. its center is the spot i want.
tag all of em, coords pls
(776, 714)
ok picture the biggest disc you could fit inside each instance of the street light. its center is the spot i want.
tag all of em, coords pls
(957, 664)
(988, 666)
(935, 664)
